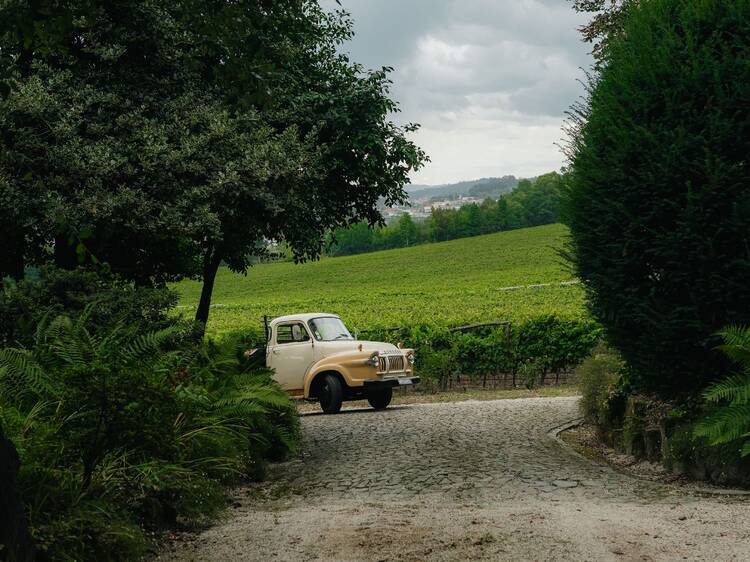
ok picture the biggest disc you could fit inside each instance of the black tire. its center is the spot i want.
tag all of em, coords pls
(331, 395)
(379, 399)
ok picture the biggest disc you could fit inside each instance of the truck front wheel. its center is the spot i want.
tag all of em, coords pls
(331, 395)
(379, 399)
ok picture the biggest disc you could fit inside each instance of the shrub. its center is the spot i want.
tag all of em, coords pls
(729, 422)
(531, 372)
(657, 197)
(545, 344)
(51, 291)
(120, 429)
(555, 345)
(598, 375)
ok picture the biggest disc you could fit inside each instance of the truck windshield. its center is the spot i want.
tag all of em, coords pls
(329, 329)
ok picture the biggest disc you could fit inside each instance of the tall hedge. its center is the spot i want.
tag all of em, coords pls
(658, 196)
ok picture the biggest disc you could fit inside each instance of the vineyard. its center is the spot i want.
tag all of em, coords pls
(510, 276)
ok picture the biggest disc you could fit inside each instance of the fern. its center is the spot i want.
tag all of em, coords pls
(20, 373)
(737, 345)
(735, 388)
(189, 417)
(731, 421)
(148, 344)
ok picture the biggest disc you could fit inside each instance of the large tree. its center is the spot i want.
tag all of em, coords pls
(166, 138)
(607, 21)
(658, 197)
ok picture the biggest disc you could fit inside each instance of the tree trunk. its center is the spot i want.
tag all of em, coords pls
(65, 254)
(210, 267)
(15, 542)
(11, 260)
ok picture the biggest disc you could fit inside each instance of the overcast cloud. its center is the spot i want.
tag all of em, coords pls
(488, 80)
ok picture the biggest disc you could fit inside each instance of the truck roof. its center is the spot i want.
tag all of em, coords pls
(303, 317)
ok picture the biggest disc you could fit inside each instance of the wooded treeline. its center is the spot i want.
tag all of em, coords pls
(532, 203)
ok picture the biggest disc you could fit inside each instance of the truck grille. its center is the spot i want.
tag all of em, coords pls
(396, 363)
(390, 364)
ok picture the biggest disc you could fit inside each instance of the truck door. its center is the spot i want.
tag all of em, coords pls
(290, 354)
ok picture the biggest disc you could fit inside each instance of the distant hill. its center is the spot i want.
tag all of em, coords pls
(484, 187)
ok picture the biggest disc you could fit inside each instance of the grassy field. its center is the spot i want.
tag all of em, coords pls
(462, 281)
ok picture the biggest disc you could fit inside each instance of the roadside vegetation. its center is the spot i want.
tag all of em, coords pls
(658, 206)
(147, 155)
(126, 423)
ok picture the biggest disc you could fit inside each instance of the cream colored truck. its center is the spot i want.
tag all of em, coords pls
(315, 357)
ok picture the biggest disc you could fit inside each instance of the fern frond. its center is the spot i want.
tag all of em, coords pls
(267, 396)
(21, 369)
(725, 425)
(737, 345)
(147, 344)
(735, 389)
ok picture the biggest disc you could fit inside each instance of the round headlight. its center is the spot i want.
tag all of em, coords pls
(411, 359)
(374, 360)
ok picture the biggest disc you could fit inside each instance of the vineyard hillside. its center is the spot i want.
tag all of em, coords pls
(475, 279)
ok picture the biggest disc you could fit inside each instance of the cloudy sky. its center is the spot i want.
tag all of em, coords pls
(488, 80)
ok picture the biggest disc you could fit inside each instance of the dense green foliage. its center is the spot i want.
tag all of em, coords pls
(730, 422)
(123, 421)
(531, 203)
(166, 138)
(49, 292)
(446, 284)
(598, 375)
(658, 201)
(528, 350)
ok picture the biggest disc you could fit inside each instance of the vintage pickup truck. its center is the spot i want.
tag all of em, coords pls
(315, 357)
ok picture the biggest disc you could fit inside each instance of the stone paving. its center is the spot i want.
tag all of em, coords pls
(460, 450)
(461, 481)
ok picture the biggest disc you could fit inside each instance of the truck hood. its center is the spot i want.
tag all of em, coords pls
(342, 346)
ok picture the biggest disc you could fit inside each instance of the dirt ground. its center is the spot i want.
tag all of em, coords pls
(471, 480)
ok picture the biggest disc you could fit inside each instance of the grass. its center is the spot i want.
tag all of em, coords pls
(451, 283)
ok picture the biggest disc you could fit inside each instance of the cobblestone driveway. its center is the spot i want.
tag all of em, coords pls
(464, 480)
(459, 450)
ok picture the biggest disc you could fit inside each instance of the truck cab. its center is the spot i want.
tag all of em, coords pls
(315, 357)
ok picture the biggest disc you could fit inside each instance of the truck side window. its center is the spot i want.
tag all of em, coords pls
(291, 333)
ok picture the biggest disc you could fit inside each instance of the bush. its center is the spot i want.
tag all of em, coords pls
(598, 376)
(657, 197)
(729, 421)
(540, 346)
(122, 430)
(51, 291)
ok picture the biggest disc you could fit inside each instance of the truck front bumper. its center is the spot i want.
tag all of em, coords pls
(376, 384)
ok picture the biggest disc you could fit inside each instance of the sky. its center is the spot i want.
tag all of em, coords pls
(487, 80)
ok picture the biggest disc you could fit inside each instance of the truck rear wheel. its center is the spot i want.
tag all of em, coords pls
(379, 399)
(331, 395)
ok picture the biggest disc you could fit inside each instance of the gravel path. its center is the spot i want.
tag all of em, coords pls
(463, 481)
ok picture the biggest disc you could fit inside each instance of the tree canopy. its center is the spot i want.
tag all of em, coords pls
(162, 144)
(606, 23)
(658, 200)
